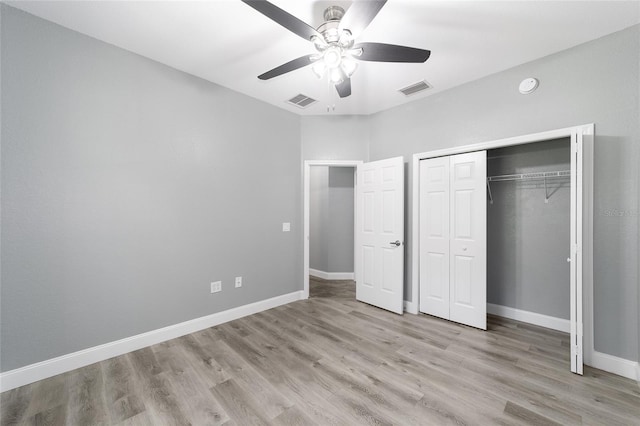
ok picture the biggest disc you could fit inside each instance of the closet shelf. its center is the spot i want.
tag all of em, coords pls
(527, 176)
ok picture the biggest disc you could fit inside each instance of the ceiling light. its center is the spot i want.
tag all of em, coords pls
(356, 52)
(336, 76)
(319, 68)
(319, 43)
(332, 57)
(348, 66)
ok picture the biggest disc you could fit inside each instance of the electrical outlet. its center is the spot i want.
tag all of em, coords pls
(216, 286)
(238, 282)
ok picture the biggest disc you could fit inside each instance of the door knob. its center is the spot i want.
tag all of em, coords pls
(396, 243)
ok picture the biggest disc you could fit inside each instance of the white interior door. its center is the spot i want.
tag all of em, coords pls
(468, 245)
(380, 234)
(575, 258)
(434, 236)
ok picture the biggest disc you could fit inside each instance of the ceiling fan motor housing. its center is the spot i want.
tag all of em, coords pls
(330, 29)
(333, 13)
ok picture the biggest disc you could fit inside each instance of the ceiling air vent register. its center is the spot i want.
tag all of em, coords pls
(415, 88)
(301, 101)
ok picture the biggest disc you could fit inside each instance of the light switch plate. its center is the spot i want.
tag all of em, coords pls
(286, 227)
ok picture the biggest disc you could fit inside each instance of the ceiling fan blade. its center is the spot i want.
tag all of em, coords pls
(344, 88)
(380, 52)
(359, 15)
(300, 62)
(283, 18)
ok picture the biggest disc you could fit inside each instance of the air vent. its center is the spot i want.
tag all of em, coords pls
(301, 101)
(415, 88)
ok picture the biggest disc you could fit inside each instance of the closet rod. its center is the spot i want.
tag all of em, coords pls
(527, 176)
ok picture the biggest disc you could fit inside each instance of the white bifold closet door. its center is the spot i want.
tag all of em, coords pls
(453, 238)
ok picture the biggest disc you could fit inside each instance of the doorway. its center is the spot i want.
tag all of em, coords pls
(317, 175)
(331, 230)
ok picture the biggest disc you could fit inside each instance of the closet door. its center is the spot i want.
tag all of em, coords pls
(434, 236)
(468, 239)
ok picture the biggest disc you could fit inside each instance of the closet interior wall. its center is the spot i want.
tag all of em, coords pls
(528, 238)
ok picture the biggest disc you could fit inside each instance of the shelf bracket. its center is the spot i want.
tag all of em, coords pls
(489, 190)
(546, 195)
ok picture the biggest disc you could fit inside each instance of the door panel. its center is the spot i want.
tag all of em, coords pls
(380, 217)
(434, 237)
(468, 244)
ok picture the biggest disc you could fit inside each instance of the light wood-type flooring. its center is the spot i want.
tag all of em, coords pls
(332, 360)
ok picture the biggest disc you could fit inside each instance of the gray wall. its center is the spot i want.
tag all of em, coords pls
(528, 240)
(127, 187)
(594, 82)
(335, 137)
(318, 217)
(331, 221)
(341, 216)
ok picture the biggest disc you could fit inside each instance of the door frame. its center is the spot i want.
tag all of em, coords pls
(306, 206)
(583, 136)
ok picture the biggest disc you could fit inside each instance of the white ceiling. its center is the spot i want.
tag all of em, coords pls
(229, 43)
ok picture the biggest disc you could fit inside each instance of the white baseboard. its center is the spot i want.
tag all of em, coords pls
(41, 370)
(613, 364)
(530, 317)
(331, 275)
(410, 307)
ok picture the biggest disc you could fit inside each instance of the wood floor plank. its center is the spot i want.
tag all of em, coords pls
(200, 407)
(331, 360)
(240, 405)
(293, 416)
(197, 353)
(86, 397)
(120, 392)
(52, 416)
(251, 381)
(527, 415)
(14, 405)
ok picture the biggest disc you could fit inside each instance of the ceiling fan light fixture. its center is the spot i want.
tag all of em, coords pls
(336, 75)
(346, 39)
(319, 43)
(349, 66)
(356, 52)
(334, 41)
(332, 57)
(319, 68)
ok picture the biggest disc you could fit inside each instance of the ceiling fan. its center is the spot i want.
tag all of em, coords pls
(334, 42)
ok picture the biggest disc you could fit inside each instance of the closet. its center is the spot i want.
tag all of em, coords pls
(495, 231)
(529, 231)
